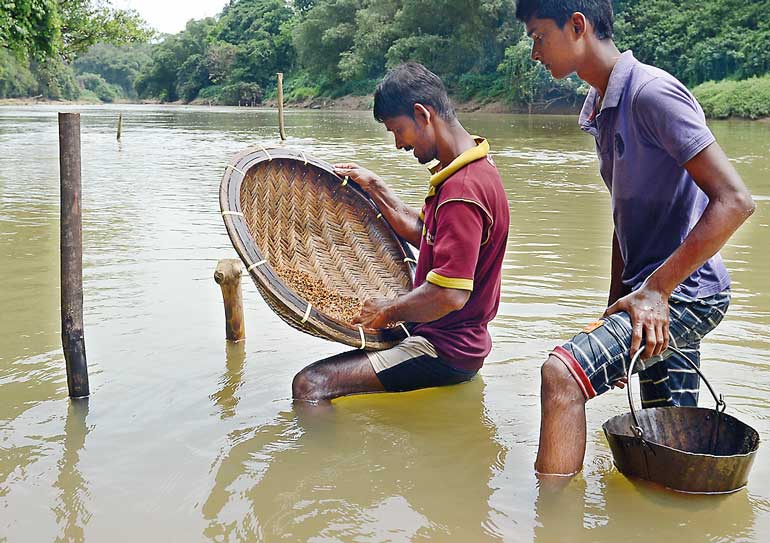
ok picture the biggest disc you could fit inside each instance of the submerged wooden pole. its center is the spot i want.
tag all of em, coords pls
(120, 125)
(73, 341)
(280, 107)
(228, 277)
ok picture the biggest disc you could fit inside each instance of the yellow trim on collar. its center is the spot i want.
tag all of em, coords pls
(449, 282)
(471, 155)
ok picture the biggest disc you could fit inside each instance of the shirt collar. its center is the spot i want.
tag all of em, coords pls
(619, 77)
(471, 155)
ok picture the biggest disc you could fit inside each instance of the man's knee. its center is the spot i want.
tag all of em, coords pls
(558, 384)
(309, 384)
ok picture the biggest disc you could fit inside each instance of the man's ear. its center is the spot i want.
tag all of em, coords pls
(578, 23)
(422, 115)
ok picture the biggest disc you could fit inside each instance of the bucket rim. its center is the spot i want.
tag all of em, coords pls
(754, 450)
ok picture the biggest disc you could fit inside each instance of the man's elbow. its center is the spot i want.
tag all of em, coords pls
(455, 299)
(743, 205)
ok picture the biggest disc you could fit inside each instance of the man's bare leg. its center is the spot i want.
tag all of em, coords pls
(339, 375)
(562, 422)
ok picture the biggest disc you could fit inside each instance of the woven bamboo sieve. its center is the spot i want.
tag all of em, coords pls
(315, 245)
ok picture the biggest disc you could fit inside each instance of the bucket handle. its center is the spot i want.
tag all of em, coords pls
(637, 429)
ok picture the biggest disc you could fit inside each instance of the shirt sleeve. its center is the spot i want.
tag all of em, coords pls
(671, 118)
(459, 229)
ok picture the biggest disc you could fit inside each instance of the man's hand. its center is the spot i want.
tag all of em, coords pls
(649, 314)
(374, 314)
(363, 177)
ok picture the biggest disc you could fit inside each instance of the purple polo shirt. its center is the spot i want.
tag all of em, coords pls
(648, 127)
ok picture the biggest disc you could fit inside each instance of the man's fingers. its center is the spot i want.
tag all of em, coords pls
(611, 309)
(621, 383)
(660, 346)
(650, 341)
(636, 338)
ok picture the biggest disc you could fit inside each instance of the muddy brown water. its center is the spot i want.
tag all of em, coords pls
(188, 439)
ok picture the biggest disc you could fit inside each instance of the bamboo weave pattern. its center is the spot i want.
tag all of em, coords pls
(324, 242)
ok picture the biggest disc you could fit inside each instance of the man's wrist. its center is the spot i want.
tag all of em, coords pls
(389, 311)
(659, 284)
(376, 185)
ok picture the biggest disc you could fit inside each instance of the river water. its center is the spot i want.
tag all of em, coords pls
(185, 438)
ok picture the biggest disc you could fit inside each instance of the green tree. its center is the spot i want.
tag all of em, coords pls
(179, 67)
(16, 79)
(96, 84)
(698, 40)
(326, 32)
(87, 22)
(261, 31)
(30, 27)
(118, 65)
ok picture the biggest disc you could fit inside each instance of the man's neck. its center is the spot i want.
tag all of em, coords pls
(601, 57)
(452, 141)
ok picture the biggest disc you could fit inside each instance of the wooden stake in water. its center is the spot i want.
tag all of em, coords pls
(228, 277)
(120, 125)
(280, 107)
(73, 341)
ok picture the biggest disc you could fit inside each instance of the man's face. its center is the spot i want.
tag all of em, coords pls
(412, 135)
(552, 46)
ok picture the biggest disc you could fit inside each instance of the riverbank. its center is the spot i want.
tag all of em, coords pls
(364, 103)
(745, 99)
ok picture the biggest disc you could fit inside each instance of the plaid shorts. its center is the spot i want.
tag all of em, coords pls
(599, 355)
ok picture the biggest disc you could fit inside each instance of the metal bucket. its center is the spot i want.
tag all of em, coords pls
(688, 449)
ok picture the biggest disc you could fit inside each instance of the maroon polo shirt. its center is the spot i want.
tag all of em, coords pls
(463, 245)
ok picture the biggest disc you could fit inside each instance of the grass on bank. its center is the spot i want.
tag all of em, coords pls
(749, 98)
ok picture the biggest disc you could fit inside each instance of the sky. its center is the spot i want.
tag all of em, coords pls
(171, 16)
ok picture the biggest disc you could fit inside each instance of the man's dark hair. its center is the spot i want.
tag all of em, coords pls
(598, 12)
(409, 84)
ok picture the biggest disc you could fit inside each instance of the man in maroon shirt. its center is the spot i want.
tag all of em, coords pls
(461, 232)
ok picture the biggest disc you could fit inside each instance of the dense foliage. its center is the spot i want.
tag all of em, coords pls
(42, 29)
(29, 26)
(698, 40)
(749, 98)
(39, 39)
(329, 48)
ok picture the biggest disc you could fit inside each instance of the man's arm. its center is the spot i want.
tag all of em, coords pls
(426, 303)
(404, 219)
(449, 284)
(617, 288)
(730, 204)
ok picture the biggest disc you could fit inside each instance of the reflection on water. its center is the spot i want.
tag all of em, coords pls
(347, 473)
(71, 507)
(187, 438)
(226, 398)
(578, 513)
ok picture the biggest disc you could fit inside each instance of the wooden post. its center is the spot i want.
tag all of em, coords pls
(228, 277)
(280, 107)
(73, 341)
(120, 125)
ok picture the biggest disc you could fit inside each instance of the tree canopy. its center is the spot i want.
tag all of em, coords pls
(337, 47)
(45, 28)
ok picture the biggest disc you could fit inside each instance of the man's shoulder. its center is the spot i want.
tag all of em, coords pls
(650, 83)
(479, 181)
(478, 172)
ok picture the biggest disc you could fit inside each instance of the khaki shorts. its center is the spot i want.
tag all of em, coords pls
(414, 363)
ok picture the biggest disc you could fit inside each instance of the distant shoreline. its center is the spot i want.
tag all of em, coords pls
(344, 103)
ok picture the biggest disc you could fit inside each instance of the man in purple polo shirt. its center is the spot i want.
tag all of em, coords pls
(676, 200)
(461, 232)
